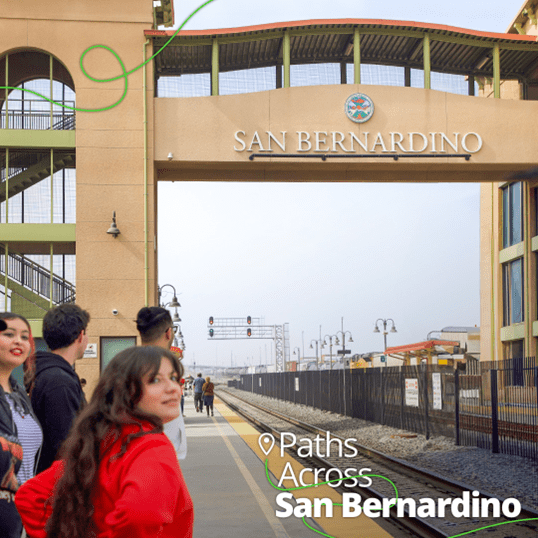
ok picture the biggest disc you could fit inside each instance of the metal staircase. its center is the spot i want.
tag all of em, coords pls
(31, 168)
(35, 279)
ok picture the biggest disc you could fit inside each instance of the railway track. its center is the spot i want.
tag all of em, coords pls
(412, 483)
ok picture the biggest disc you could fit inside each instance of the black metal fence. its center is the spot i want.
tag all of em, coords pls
(490, 405)
(393, 396)
(498, 406)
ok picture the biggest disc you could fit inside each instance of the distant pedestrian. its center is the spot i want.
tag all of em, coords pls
(182, 385)
(156, 328)
(118, 474)
(198, 385)
(209, 395)
(55, 389)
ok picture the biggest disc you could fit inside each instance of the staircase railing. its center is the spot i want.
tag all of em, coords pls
(36, 278)
(19, 164)
(31, 114)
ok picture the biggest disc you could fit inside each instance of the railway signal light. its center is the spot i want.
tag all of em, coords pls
(249, 332)
(211, 332)
(211, 320)
(249, 320)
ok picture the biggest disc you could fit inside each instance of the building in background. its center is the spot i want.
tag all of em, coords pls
(78, 187)
(509, 233)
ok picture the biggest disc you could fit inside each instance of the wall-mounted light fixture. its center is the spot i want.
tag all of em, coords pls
(113, 230)
(170, 156)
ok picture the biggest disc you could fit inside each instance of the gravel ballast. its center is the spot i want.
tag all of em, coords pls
(497, 474)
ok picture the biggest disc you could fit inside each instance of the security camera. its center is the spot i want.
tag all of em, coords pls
(115, 312)
(170, 156)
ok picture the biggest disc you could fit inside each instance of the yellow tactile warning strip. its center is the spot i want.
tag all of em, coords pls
(266, 508)
(335, 526)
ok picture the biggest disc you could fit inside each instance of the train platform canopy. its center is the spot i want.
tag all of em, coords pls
(423, 350)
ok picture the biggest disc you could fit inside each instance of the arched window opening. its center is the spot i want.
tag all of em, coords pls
(42, 73)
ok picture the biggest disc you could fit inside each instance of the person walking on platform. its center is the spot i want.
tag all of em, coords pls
(209, 395)
(118, 474)
(198, 385)
(156, 328)
(182, 384)
(55, 389)
(20, 432)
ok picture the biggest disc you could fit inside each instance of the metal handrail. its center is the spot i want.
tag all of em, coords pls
(26, 117)
(20, 165)
(36, 278)
(38, 121)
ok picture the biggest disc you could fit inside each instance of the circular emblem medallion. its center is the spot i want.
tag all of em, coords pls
(359, 107)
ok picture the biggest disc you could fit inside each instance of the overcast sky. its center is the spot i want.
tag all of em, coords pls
(309, 254)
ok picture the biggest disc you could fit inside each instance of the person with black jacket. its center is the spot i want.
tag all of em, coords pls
(55, 390)
(20, 432)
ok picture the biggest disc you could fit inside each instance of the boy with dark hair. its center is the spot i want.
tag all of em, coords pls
(55, 391)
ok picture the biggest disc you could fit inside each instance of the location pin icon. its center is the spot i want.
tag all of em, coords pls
(266, 442)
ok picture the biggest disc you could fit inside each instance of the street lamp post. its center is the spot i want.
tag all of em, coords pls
(174, 303)
(297, 351)
(336, 342)
(311, 347)
(320, 342)
(343, 333)
(385, 332)
(175, 318)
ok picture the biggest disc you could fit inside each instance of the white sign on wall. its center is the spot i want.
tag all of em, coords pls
(411, 392)
(437, 393)
(91, 351)
(296, 384)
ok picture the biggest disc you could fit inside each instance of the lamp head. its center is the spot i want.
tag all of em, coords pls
(113, 230)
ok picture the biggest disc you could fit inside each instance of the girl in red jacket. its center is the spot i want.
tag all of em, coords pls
(118, 476)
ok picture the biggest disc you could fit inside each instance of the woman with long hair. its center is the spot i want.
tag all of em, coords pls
(20, 433)
(118, 474)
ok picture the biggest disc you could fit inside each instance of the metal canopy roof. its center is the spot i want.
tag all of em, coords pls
(420, 349)
(452, 50)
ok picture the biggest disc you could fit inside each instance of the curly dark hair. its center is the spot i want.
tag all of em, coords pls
(152, 322)
(62, 325)
(113, 404)
(29, 364)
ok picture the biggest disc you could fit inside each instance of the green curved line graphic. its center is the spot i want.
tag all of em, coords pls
(388, 480)
(494, 525)
(316, 530)
(124, 75)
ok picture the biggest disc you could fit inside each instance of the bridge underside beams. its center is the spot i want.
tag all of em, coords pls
(336, 172)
